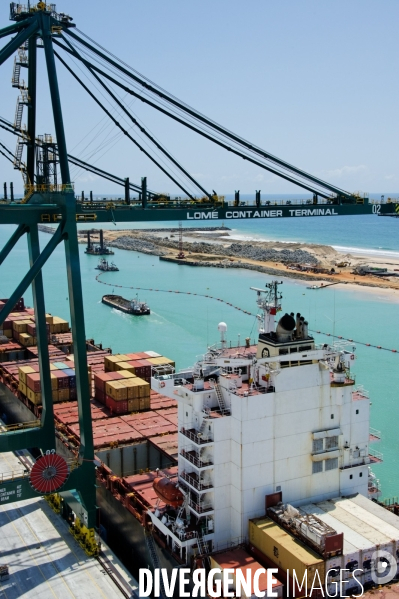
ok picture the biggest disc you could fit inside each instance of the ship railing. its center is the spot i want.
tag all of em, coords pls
(196, 483)
(377, 455)
(194, 459)
(196, 437)
(360, 390)
(201, 507)
(374, 433)
(235, 542)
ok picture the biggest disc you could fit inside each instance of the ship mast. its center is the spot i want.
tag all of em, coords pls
(269, 304)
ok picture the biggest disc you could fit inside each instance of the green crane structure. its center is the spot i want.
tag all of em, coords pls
(47, 200)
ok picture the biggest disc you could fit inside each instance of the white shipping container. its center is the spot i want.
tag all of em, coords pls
(377, 510)
(351, 551)
(372, 520)
(364, 549)
(363, 528)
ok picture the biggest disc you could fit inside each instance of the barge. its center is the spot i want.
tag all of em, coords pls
(134, 306)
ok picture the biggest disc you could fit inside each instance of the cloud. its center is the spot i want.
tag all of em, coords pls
(346, 170)
(198, 175)
(389, 177)
(88, 178)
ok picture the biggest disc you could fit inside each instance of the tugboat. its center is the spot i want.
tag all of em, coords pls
(105, 266)
(134, 306)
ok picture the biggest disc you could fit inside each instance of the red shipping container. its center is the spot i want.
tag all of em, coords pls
(100, 395)
(33, 382)
(7, 324)
(100, 378)
(116, 407)
(63, 379)
(115, 376)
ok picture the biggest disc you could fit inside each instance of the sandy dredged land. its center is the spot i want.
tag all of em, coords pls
(216, 248)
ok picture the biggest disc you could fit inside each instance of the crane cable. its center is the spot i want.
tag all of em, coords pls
(198, 116)
(168, 112)
(120, 126)
(142, 129)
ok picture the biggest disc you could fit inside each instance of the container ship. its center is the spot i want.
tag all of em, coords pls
(256, 456)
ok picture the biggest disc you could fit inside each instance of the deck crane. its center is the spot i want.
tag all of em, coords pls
(50, 198)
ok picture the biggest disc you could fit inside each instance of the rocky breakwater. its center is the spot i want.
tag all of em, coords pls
(134, 244)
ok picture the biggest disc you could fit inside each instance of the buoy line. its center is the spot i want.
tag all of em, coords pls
(218, 299)
(354, 341)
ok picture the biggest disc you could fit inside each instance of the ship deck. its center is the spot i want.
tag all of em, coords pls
(44, 559)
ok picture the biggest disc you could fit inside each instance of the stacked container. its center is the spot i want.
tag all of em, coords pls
(121, 391)
(63, 382)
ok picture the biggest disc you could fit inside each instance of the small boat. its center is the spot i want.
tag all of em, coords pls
(105, 266)
(313, 287)
(134, 306)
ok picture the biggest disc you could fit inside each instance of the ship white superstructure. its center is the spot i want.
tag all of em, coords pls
(282, 416)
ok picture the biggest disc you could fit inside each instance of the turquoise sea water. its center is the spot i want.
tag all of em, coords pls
(180, 326)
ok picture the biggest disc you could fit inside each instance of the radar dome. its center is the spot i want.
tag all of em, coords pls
(222, 327)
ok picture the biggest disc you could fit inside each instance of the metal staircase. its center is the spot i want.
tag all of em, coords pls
(21, 60)
(149, 539)
(220, 398)
(203, 548)
(18, 154)
(16, 73)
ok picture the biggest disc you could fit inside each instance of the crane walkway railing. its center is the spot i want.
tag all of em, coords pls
(13, 428)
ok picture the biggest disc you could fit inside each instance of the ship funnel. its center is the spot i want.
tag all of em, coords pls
(298, 326)
(222, 328)
(305, 329)
(285, 327)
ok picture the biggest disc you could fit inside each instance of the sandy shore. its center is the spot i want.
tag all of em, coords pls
(217, 248)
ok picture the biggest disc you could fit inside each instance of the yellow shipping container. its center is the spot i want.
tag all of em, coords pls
(132, 388)
(144, 390)
(116, 390)
(144, 403)
(25, 339)
(20, 325)
(127, 374)
(55, 395)
(22, 387)
(124, 366)
(161, 361)
(133, 405)
(35, 398)
(54, 382)
(285, 550)
(8, 333)
(23, 371)
(63, 394)
(109, 363)
(49, 319)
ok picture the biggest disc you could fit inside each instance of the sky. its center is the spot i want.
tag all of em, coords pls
(313, 82)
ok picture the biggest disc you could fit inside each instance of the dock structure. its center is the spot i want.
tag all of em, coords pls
(43, 558)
